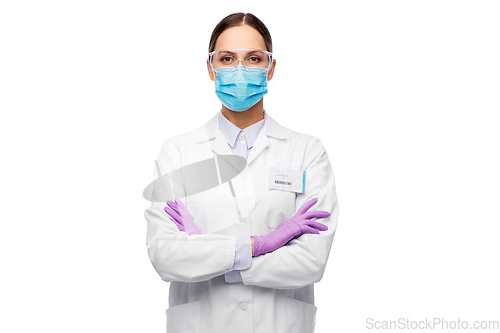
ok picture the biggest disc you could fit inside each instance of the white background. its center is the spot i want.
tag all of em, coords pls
(403, 94)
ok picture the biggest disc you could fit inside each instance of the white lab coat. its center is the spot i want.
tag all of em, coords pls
(277, 293)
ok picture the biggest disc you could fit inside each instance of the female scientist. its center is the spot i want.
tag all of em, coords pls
(243, 256)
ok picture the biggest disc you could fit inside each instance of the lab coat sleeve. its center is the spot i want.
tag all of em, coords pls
(175, 255)
(302, 261)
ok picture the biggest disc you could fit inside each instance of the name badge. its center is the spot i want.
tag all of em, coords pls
(285, 179)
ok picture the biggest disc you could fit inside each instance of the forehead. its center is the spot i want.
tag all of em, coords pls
(240, 37)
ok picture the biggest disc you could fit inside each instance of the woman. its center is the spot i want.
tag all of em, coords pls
(246, 254)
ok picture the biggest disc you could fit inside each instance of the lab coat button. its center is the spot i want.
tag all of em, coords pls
(243, 306)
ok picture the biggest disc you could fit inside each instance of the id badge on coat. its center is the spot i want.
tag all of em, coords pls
(286, 179)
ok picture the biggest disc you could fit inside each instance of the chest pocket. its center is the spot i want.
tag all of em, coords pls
(279, 207)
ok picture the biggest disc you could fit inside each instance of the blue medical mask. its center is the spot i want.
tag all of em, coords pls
(240, 89)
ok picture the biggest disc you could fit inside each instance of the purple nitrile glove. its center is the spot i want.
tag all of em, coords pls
(181, 217)
(299, 223)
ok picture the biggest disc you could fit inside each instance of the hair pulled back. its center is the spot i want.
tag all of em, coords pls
(238, 19)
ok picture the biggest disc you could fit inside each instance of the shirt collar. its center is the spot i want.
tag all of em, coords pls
(209, 130)
(231, 131)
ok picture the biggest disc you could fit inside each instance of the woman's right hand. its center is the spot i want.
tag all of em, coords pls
(299, 223)
(180, 215)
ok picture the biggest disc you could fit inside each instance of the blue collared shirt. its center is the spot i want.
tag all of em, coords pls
(240, 142)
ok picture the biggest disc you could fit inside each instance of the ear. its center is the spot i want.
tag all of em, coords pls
(210, 73)
(271, 71)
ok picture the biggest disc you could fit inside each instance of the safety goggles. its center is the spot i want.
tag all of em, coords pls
(259, 60)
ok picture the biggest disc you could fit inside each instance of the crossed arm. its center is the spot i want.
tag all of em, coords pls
(177, 256)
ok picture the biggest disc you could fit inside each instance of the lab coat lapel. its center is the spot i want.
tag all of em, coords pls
(271, 129)
(220, 147)
(260, 144)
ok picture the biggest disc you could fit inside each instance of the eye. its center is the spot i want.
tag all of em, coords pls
(226, 59)
(253, 59)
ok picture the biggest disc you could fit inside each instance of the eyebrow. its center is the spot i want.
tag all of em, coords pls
(249, 52)
(221, 51)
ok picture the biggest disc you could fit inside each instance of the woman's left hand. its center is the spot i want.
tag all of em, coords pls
(181, 217)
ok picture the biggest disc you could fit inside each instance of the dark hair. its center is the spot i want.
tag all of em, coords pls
(237, 19)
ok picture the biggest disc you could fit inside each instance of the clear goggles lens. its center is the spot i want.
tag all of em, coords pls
(231, 58)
